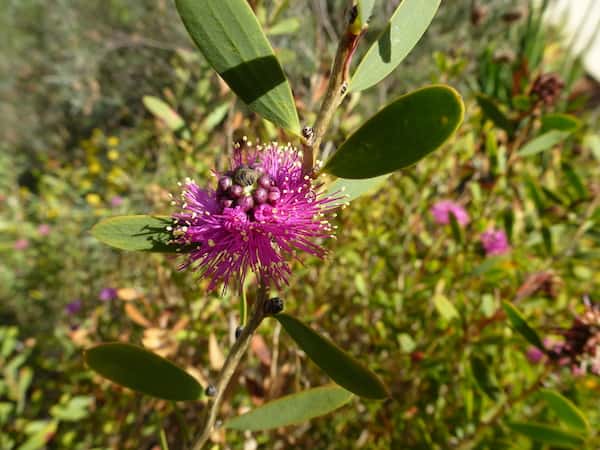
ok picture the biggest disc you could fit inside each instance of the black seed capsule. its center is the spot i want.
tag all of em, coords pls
(274, 305)
(210, 390)
(238, 332)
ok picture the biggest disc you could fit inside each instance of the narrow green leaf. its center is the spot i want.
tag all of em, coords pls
(493, 112)
(292, 409)
(543, 142)
(143, 371)
(341, 367)
(520, 325)
(560, 122)
(365, 9)
(231, 39)
(565, 410)
(136, 233)
(575, 181)
(164, 112)
(349, 190)
(483, 377)
(285, 26)
(406, 26)
(41, 437)
(548, 434)
(399, 135)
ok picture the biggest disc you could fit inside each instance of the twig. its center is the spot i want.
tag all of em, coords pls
(231, 363)
(336, 89)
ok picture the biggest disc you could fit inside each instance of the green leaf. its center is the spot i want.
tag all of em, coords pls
(285, 26)
(292, 409)
(349, 190)
(483, 377)
(73, 410)
(341, 367)
(560, 122)
(164, 112)
(543, 142)
(548, 434)
(493, 112)
(575, 181)
(404, 29)
(445, 307)
(399, 135)
(566, 411)
(520, 325)
(231, 39)
(41, 437)
(143, 371)
(365, 9)
(137, 233)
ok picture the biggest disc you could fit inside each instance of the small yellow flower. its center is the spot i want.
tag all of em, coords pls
(94, 167)
(93, 199)
(112, 155)
(85, 184)
(112, 141)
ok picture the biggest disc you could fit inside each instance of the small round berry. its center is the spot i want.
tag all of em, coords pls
(265, 181)
(225, 183)
(236, 191)
(274, 195)
(246, 203)
(261, 196)
(210, 390)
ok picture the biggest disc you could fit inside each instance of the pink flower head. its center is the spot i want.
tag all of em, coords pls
(73, 307)
(116, 201)
(43, 229)
(534, 355)
(494, 242)
(441, 212)
(107, 294)
(262, 211)
(21, 244)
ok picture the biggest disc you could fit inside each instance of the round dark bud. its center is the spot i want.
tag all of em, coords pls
(225, 183)
(265, 181)
(246, 203)
(245, 176)
(274, 195)
(238, 332)
(274, 306)
(236, 191)
(308, 132)
(226, 203)
(210, 390)
(261, 196)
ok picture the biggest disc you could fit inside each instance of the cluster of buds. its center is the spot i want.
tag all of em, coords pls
(581, 347)
(547, 87)
(247, 187)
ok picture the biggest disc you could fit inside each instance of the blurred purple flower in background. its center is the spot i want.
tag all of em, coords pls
(107, 294)
(534, 355)
(73, 307)
(21, 244)
(441, 212)
(116, 201)
(495, 242)
(43, 229)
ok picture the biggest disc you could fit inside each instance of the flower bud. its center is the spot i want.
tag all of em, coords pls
(236, 191)
(246, 203)
(261, 196)
(265, 181)
(274, 195)
(225, 183)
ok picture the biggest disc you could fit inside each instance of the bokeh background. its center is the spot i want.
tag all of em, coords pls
(415, 300)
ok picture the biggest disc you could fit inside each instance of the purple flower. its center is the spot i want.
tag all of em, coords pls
(534, 355)
(73, 307)
(441, 212)
(236, 228)
(107, 294)
(494, 242)
(43, 229)
(116, 201)
(21, 244)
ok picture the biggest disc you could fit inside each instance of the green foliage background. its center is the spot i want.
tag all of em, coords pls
(416, 302)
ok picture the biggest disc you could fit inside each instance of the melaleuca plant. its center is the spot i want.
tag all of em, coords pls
(274, 202)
